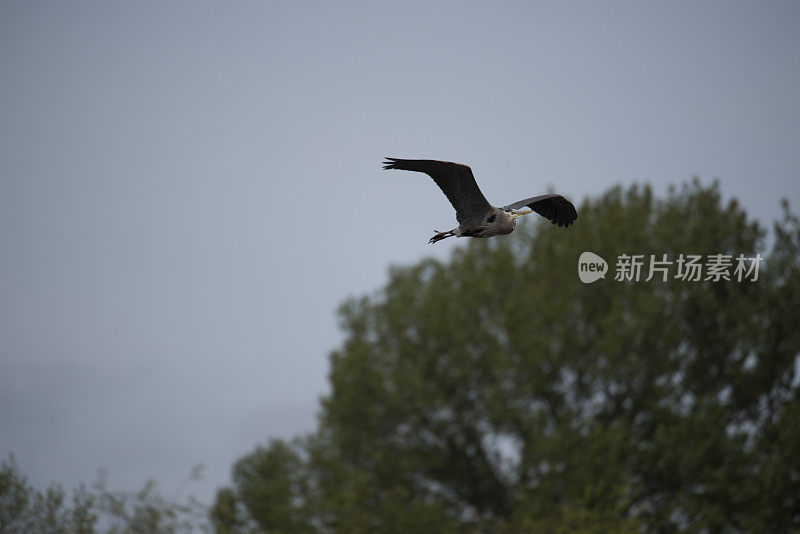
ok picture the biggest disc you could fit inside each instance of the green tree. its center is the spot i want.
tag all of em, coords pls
(26, 510)
(497, 393)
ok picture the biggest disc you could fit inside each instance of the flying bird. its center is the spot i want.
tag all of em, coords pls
(476, 217)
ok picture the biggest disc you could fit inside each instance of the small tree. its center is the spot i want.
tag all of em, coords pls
(26, 510)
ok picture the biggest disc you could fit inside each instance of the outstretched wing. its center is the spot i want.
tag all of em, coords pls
(454, 179)
(556, 208)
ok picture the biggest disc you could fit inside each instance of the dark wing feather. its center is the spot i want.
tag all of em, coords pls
(455, 180)
(556, 208)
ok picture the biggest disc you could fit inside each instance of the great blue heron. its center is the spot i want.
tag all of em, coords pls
(476, 217)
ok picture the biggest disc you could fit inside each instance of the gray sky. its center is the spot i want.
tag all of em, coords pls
(189, 189)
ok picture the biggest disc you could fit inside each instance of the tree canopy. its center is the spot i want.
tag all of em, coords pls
(27, 510)
(496, 392)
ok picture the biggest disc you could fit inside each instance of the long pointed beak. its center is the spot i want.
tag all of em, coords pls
(518, 214)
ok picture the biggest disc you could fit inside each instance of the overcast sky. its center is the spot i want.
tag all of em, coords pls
(189, 189)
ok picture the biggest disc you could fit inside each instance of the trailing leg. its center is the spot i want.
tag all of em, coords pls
(438, 236)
